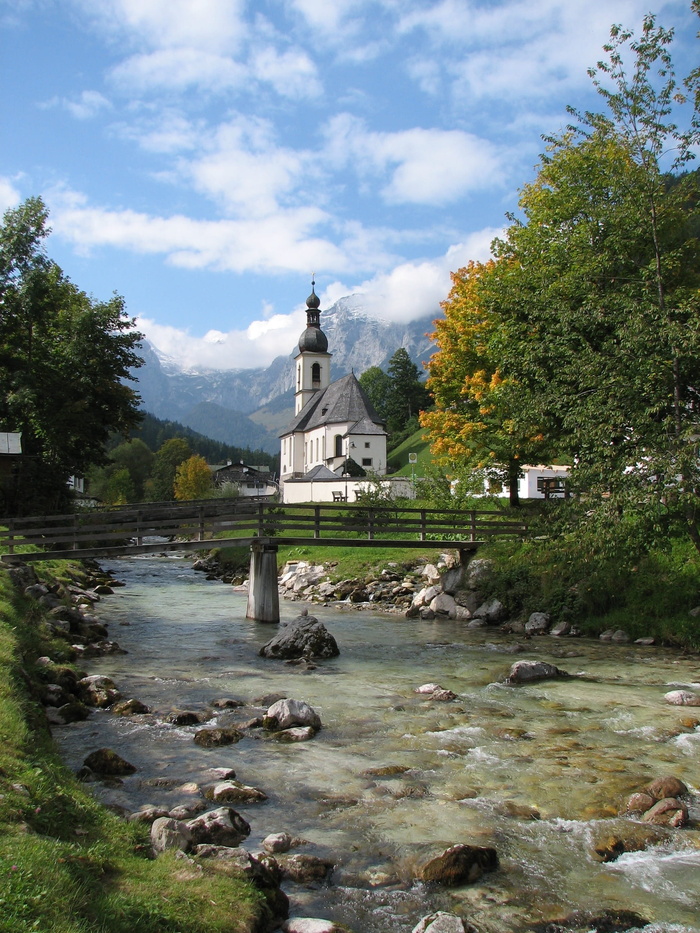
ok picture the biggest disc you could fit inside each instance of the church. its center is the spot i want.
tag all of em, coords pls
(334, 422)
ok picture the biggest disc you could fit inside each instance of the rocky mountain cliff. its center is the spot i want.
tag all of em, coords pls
(249, 407)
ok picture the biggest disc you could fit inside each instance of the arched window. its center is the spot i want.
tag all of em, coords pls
(316, 375)
(339, 445)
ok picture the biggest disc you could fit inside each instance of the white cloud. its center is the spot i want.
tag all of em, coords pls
(178, 69)
(425, 166)
(87, 105)
(292, 74)
(255, 346)
(9, 195)
(284, 241)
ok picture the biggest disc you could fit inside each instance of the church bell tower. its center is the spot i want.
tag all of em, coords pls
(313, 361)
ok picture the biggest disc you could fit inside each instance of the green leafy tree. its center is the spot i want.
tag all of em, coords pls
(65, 363)
(193, 479)
(161, 486)
(377, 384)
(598, 285)
(407, 395)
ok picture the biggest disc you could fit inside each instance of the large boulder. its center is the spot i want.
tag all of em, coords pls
(460, 864)
(523, 672)
(170, 834)
(107, 761)
(492, 611)
(287, 713)
(305, 637)
(98, 690)
(538, 623)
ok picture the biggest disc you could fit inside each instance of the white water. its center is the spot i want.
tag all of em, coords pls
(571, 750)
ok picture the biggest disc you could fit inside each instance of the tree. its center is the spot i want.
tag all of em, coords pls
(472, 426)
(407, 395)
(161, 486)
(132, 456)
(193, 479)
(377, 384)
(65, 361)
(598, 285)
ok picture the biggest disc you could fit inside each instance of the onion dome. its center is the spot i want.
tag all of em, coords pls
(313, 339)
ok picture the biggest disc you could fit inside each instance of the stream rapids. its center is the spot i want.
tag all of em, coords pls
(536, 771)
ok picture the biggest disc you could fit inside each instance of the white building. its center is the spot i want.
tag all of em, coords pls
(333, 422)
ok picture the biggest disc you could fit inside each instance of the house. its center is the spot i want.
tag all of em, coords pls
(251, 481)
(334, 423)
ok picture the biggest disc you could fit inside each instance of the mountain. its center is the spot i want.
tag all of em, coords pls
(250, 407)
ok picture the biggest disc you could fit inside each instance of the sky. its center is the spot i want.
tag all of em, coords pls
(205, 158)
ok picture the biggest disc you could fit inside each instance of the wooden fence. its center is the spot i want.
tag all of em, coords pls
(214, 523)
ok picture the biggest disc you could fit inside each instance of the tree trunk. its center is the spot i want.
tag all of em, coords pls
(513, 490)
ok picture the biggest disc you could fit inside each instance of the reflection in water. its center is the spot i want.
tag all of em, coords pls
(534, 771)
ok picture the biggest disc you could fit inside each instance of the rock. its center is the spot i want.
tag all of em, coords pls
(98, 690)
(561, 629)
(639, 803)
(310, 925)
(186, 717)
(287, 713)
(668, 786)
(478, 573)
(277, 842)
(618, 636)
(610, 838)
(667, 812)
(436, 692)
(442, 922)
(305, 869)
(107, 761)
(73, 711)
(130, 708)
(305, 637)
(234, 792)
(214, 738)
(527, 671)
(444, 605)
(492, 611)
(453, 579)
(295, 734)
(460, 864)
(585, 921)
(170, 834)
(431, 573)
(646, 642)
(538, 623)
(223, 827)
(682, 698)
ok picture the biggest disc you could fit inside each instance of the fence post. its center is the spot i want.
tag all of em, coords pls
(76, 528)
(11, 534)
(139, 528)
(200, 529)
(472, 533)
(423, 525)
(370, 523)
(317, 521)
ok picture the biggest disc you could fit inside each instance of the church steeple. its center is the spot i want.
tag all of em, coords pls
(313, 362)
(313, 339)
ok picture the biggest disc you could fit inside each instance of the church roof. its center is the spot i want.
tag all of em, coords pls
(316, 474)
(342, 401)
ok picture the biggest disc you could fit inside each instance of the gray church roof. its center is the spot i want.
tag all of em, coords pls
(343, 401)
(316, 474)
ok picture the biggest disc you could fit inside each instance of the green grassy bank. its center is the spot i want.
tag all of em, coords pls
(67, 864)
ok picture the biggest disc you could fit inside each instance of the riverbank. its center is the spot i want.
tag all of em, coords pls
(67, 864)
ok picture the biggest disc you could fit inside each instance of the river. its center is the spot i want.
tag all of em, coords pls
(534, 771)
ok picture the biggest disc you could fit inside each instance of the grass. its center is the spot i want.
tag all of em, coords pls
(417, 444)
(67, 864)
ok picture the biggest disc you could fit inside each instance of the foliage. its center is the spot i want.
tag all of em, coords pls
(472, 427)
(65, 360)
(193, 479)
(124, 478)
(408, 394)
(161, 486)
(377, 385)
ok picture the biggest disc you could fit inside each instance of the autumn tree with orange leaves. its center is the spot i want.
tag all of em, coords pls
(477, 425)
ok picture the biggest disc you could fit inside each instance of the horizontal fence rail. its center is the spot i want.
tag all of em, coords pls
(215, 523)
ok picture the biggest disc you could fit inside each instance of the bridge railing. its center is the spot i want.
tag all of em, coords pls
(221, 522)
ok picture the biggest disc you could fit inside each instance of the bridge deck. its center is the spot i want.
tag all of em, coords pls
(211, 524)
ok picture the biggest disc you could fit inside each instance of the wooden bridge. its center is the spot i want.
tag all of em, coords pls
(260, 526)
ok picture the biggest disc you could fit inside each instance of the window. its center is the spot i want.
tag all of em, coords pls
(338, 445)
(316, 375)
(367, 444)
(366, 461)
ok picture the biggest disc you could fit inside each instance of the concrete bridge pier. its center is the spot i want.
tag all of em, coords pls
(263, 595)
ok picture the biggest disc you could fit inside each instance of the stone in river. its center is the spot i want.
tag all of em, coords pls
(224, 827)
(213, 738)
(287, 713)
(306, 637)
(668, 786)
(527, 671)
(667, 812)
(442, 922)
(107, 761)
(460, 864)
(682, 698)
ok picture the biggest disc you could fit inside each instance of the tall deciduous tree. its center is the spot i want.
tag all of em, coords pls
(599, 282)
(472, 426)
(168, 458)
(65, 362)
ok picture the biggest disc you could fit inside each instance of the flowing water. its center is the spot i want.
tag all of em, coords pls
(534, 771)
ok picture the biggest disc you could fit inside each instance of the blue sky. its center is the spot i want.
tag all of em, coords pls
(203, 157)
